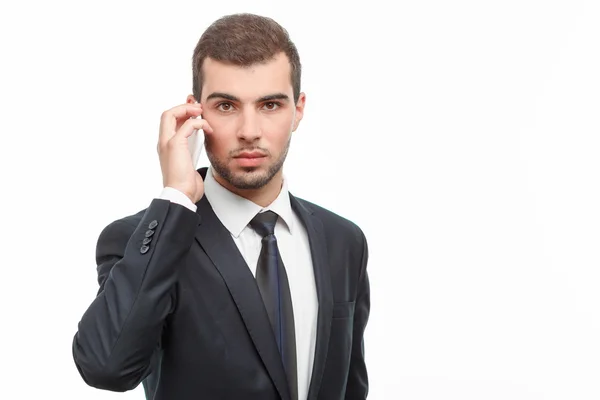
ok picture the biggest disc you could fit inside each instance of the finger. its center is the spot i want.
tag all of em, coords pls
(183, 110)
(190, 126)
(170, 118)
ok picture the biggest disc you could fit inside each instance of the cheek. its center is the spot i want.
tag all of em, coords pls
(216, 144)
(221, 135)
(216, 123)
(279, 133)
(280, 125)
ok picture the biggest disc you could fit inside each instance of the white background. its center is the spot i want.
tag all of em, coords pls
(462, 136)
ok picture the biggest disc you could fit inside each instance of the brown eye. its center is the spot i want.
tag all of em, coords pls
(271, 105)
(224, 107)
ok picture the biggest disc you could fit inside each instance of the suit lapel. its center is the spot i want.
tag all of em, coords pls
(318, 249)
(218, 244)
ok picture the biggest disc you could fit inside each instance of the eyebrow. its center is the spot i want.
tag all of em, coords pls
(270, 97)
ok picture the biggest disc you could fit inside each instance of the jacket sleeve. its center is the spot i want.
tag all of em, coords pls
(137, 270)
(357, 387)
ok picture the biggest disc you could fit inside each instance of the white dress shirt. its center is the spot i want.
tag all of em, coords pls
(235, 213)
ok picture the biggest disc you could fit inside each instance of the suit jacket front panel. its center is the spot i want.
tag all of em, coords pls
(346, 260)
(216, 341)
(207, 347)
(208, 343)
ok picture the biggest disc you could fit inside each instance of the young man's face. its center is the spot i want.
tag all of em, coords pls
(252, 113)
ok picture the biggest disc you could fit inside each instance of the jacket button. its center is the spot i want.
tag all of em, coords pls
(146, 240)
(144, 249)
(153, 224)
(149, 233)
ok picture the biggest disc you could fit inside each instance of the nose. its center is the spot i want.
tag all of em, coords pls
(249, 128)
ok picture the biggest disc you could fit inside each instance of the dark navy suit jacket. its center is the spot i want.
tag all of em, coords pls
(179, 310)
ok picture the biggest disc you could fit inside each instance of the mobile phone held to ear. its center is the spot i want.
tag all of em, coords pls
(195, 145)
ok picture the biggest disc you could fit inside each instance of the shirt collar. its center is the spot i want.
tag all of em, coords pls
(236, 212)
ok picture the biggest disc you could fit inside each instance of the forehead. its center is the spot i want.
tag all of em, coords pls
(250, 82)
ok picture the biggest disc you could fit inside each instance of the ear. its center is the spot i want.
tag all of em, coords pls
(190, 99)
(299, 112)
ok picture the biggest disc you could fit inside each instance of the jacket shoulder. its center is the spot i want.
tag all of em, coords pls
(334, 222)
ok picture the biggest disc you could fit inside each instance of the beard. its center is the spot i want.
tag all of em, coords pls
(251, 177)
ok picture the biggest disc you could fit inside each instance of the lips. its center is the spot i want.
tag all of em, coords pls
(250, 159)
(250, 154)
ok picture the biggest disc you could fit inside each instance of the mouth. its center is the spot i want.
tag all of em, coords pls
(250, 154)
(250, 158)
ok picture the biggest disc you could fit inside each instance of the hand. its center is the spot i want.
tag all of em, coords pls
(176, 125)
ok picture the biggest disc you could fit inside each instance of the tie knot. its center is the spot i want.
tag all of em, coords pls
(264, 223)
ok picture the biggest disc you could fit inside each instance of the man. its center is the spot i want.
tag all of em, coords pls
(227, 286)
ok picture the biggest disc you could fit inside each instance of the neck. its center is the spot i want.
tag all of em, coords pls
(262, 196)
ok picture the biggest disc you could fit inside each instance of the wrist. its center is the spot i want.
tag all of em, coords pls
(178, 196)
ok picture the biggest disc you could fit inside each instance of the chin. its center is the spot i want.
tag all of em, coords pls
(246, 177)
(249, 178)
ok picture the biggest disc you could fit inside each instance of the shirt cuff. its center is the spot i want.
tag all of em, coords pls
(176, 196)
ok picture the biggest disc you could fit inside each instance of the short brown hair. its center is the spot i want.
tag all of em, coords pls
(244, 39)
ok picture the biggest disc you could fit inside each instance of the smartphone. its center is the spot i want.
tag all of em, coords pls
(196, 144)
